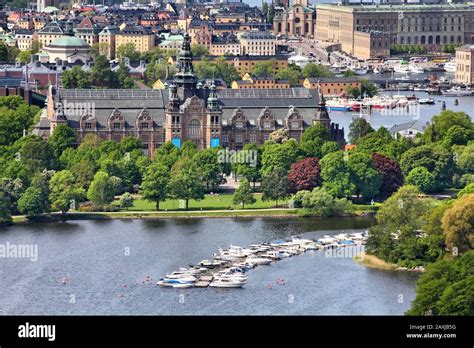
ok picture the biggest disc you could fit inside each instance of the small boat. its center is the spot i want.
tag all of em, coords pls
(337, 105)
(259, 260)
(416, 69)
(428, 101)
(450, 66)
(401, 69)
(226, 283)
(183, 285)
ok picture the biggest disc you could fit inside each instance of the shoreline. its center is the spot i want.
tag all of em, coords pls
(372, 261)
(249, 213)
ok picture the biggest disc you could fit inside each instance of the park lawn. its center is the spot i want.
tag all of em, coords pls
(223, 201)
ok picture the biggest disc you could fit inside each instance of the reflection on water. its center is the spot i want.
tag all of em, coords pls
(106, 263)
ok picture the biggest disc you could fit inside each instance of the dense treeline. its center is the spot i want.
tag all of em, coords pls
(56, 175)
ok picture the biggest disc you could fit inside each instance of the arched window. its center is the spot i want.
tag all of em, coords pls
(306, 27)
(194, 129)
(438, 39)
(423, 39)
(279, 27)
(430, 39)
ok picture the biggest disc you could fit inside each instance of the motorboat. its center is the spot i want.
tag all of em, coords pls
(401, 69)
(450, 66)
(259, 260)
(428, 101)
(416, 69)
(183, 285)
(226, 283)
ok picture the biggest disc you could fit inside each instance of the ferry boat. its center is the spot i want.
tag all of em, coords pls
(338, 105)
(457, 92)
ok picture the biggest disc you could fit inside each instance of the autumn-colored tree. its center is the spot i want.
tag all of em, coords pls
(390, 172)
(304, 175)
(458, 224)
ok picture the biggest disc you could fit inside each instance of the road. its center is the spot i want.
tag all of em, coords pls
(306, 46)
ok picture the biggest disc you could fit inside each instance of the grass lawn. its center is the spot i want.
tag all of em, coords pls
(223, 201)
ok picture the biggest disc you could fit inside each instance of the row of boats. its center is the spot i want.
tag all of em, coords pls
(228, 268)
(377, 102)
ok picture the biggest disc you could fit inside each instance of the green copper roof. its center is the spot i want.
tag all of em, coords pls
(69, 41)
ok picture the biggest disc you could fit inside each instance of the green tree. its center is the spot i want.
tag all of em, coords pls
(76, 78)
(441, 123)
(101, 190)
(63, 137)
(275, 185)
(313, 70)
(250, 170)
(352, 92)
(363, 175)
(199, 50)
(292, 74)
(458, 224)
(319, 202)
(36, 46)
(349, 73)
(15, 117)
(421, 178)
(63, 191)
(123, 77)
(186, 181)
(5, 209)
(155, 187)
(24, 57)
(243, 195)
(32, 203)
(368, 88)
(128, 50)
(446, 288)
(265, 68)
(210, 168)
(336, 175)
(359, 128)
(126, 200)
(102, 75)
(468, 189)
(279, 156)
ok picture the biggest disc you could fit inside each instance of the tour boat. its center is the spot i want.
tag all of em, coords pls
(337, 105)
(450, 66)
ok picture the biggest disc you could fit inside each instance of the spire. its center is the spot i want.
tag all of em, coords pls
(322, 115)
(185, 78)
(213, 103)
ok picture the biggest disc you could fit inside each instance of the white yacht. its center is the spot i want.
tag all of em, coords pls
(401, 69)
(457, 92)
(450, 66)
(259, 260)
(226, 283)
(416, 69)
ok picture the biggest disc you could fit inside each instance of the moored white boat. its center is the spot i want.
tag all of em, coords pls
(226, 283)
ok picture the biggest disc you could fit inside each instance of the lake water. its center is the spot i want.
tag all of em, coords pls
(106, 264)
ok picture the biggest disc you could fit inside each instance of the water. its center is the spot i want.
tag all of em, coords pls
(103, 280)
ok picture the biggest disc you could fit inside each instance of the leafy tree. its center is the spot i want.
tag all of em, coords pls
(465, 159)
(15, 117)
(159, 70)
(36, 45)
(101, 190)
(399, 220)
(368, 88)
(5, 209)
(35, 153)
(457, 135)
(275, 185)
(279, 156)
(328, 147)
(210, 168)
(458, 224)
(437, 160)
(205, 69)
(226, 71)
(319, 202)
(155, 187)
(359, 128)
(336, 176)
(11, 189)
(62, 137)
(63, 190)
(304, 175)
(123, 77)
(363, 175)
(446, 288)
(186, 181)
(313, 139)
(76, 78)
(102, 75)
(422, 178)
(199, 50)
(251, 170)
(390, 173)
(24, 57)
(188, 149)
(126, 200)
(128, 50)
(167, 154)
(376, 141)
(353, 92)
(442, 122)
(32, 203)
(129, 144)
(313, 70)
(291, 73)
(243, 195)
(265, 68)
(466, 190)
(349, 73)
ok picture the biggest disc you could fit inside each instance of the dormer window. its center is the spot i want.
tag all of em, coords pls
(267, 125)
(88, 125)
(144, 125)
(117, 125)
(239, 125)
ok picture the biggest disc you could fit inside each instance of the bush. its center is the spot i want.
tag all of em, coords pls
(320, 203)
(88, 207)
